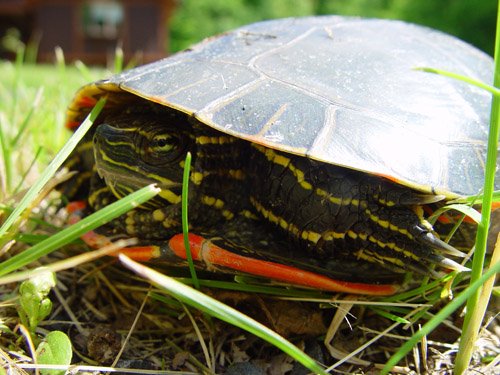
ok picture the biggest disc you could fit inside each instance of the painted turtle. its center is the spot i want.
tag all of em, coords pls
(315, 146)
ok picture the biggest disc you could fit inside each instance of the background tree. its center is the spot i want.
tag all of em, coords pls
(470, 20)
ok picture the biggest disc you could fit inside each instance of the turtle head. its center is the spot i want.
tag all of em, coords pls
(131, 153)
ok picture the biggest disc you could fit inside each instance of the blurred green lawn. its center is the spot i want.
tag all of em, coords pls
(46, 90)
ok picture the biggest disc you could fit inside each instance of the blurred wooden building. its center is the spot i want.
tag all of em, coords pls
(90, 30)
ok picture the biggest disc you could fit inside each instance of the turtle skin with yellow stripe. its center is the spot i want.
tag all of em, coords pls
(294, 175)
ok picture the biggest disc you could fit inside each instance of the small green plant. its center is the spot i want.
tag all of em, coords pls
(54, 350)
(34, 302)
(35, 306)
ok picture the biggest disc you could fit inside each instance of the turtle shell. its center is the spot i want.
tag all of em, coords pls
(339, 90)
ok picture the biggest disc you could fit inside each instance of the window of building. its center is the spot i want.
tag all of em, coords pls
(102, 19)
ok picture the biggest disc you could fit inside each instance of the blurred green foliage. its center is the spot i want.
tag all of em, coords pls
(470, 20)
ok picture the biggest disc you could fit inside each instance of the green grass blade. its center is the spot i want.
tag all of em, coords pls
(261, 289)
(494, 90)
(221, 311)
(477, 303)
(28, 117)
(390, 316)
(85, 225)
(52, 168)
(84, 71)
(17, 81)
(118, 61)
(6, 158)
(61, 64)
(476, 198)
(417, 291)
(31, 219)
(31, 50)
(185, 220)
(28, 170)
(466, 210)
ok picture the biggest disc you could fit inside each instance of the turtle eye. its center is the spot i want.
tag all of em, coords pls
(162, 143)
(162, 148)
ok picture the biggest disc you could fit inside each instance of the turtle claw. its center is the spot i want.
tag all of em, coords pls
(443, 247)
(446, 263)
(437, 244)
